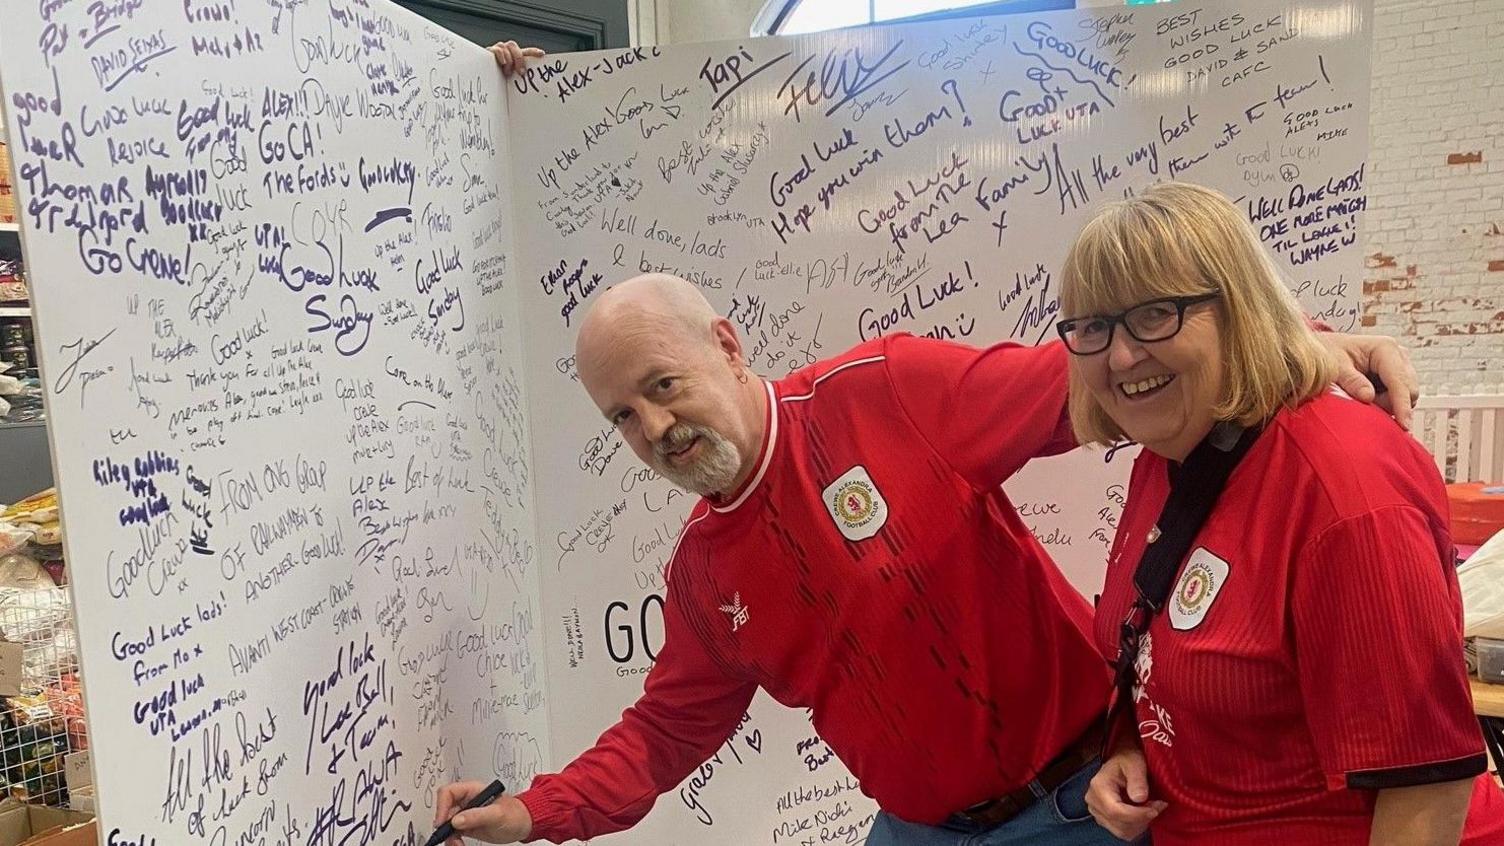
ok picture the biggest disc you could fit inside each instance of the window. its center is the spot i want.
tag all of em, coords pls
(789, 17)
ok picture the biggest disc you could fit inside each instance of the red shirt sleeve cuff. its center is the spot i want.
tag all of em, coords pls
(545, 812)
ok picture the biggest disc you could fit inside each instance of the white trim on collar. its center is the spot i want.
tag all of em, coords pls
(833, 371)
(767, 455)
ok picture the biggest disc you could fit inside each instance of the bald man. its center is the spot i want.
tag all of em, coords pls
(852, 554)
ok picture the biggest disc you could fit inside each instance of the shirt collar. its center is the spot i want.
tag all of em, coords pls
(769, 441)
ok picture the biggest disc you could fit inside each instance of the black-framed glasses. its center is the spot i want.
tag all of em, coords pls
(1156, 320)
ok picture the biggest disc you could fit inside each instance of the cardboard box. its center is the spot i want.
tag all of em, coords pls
(73, 834)
(39, 825)
(82, 799)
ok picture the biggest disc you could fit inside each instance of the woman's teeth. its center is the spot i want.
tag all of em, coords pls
(1132, 388)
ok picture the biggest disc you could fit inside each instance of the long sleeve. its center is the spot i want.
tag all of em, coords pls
(986, 411)
(688, 708)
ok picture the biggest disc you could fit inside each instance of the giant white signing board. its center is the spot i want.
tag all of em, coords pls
(270, 247)
(820, 189)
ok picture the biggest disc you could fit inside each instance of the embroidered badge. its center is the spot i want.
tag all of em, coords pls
(1200, 583)
(856, 505)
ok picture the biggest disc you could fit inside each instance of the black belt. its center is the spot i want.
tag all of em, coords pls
(995, 812)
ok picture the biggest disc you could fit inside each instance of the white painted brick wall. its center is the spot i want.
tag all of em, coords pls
(1434, 229)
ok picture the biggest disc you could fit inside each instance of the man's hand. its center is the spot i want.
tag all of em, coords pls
(1118, 797)
(505, 820)
(512, 58)
(1358, 355)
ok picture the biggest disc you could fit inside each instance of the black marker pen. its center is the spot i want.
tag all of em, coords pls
(485, 797)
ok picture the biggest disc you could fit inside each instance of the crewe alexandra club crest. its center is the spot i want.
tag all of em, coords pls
(1199, 585)
(856, 505)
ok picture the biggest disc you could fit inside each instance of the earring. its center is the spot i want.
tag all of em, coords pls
(742, 377)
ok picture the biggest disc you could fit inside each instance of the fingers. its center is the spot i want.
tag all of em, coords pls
(1102, 795)
(1403, 413)
(1392, 364)
(1100, 792)
(453, 797)
(1357, 356)
(1126, 822)
(512, 58)
(507, 53)
(504, 820)
(1351, 355)
(1354, 383)
(1136, 780)
(489, 823)
(1117, 797)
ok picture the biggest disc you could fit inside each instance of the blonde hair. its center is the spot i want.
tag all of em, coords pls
(1178, 239)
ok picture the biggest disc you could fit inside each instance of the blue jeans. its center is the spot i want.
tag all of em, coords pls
(1058, 818)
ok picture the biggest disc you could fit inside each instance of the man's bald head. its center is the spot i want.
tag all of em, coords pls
(656, 302)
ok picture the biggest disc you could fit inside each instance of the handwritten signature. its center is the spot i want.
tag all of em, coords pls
(844, 75)
(81, 349)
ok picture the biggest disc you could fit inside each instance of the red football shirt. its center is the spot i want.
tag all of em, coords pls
(1310, 652)
(872, 571)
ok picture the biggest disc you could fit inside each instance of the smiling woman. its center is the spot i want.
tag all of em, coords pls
(1277, 525)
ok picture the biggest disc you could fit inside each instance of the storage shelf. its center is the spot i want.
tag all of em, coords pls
(10, 227)
(15, 311)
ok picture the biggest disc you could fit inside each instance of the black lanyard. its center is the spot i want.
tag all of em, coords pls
(1194, 490)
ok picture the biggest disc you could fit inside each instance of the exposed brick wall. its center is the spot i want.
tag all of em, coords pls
(1434, 245)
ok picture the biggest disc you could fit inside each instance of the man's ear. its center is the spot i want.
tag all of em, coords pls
(727, 342)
